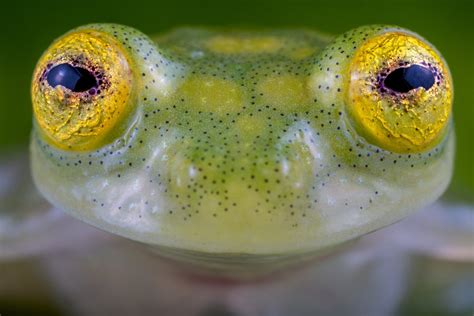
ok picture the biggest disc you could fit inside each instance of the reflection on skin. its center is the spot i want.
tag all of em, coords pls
(425, 258)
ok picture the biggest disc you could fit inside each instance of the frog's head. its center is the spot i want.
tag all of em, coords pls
(250, 144)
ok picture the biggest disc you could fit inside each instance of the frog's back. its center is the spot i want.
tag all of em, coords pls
(237, 46)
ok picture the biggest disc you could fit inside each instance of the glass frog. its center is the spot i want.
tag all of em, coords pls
(239, 152)
(240, 149)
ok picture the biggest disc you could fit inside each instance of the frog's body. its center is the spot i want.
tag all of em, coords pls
(239, 145)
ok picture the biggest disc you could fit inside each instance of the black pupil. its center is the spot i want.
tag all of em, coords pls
(76, 79)
(404, 79)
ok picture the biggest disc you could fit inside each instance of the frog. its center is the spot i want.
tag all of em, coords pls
(241, 149)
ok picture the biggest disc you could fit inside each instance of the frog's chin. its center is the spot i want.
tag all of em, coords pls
(232, 268)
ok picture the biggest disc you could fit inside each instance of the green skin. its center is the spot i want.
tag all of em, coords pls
(260, 178)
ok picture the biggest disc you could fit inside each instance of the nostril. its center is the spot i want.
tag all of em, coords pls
(76, 79)
(404, 79)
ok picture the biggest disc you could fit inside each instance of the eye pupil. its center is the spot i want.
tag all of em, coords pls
(76, 79)
(404, 79)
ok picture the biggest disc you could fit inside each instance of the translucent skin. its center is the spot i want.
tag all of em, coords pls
(239, 148)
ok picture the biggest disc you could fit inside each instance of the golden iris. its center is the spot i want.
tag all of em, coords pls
(83, 118)
(404, 118)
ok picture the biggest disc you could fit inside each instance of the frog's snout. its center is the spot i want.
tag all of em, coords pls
(255, 176)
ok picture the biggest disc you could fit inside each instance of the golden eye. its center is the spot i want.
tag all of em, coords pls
(81, 90)
(399, 94)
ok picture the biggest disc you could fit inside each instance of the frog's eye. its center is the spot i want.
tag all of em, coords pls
(399, 92)
(81, 90)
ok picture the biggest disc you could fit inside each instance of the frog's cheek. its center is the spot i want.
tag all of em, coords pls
(399, 93)
(83, 90)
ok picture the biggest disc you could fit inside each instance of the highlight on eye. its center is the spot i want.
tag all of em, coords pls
(76, 79)
(81, 90)
(404, 79)
(399, 93)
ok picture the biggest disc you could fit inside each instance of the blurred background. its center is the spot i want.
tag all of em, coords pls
(26, 30)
